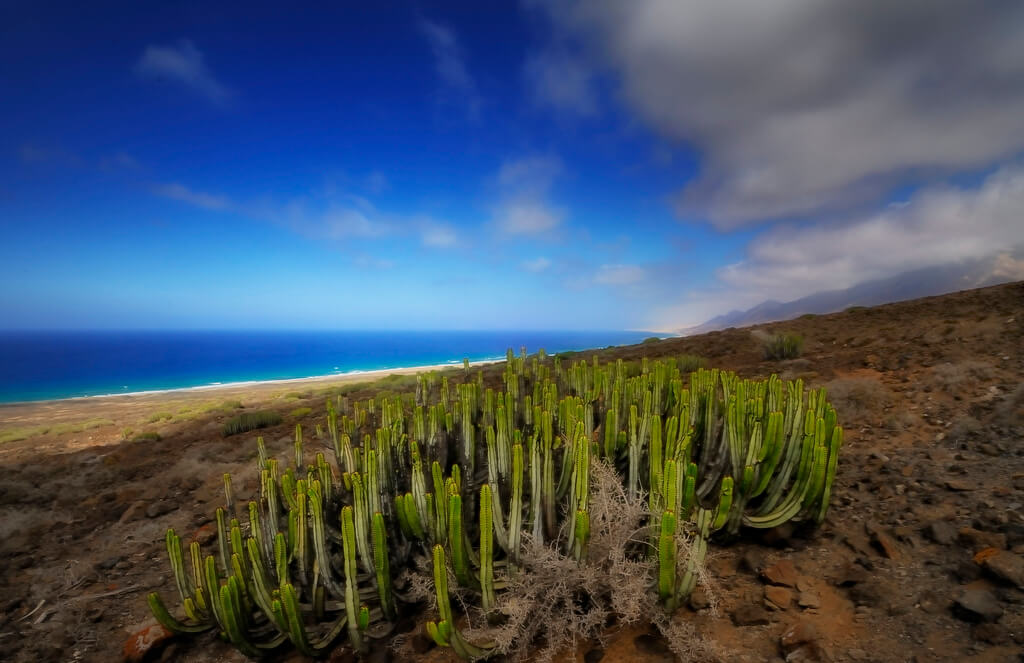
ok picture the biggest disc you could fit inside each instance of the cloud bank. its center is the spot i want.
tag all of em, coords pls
(183, 64)
(803, 107)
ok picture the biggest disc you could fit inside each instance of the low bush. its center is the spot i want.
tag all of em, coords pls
(147, 437)
(691, 363)
(251, 421)
(785, 345)
(300, 412)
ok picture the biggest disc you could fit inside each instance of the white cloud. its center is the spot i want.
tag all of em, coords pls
(937, 226)
(438, 235)
(536, 265)
(619, 275)
(184, 64)
(336, 217)
(450, 62)
(526, 217)
(524, 206)
(800, 107)
(184, 194)
(559, 80)
(339, 222)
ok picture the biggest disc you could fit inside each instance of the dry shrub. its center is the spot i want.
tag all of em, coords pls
(952, 376)
(553, 603)
(1010, 412)
(858, 400)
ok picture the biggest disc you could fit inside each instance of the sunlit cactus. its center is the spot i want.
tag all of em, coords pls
(463, 478)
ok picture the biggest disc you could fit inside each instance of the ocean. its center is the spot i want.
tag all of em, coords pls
(50, 365)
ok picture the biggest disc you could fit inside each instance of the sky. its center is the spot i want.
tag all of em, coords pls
(570, 164)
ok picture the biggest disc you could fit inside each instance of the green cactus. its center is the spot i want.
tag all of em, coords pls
(714, 452)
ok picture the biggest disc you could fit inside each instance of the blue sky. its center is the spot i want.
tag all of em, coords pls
(522, 165)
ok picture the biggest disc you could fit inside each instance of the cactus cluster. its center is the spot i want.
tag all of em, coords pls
(459, 475)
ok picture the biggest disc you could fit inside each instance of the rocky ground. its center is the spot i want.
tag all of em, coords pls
(921, 557)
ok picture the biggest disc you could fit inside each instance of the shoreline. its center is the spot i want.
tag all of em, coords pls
(347, 376)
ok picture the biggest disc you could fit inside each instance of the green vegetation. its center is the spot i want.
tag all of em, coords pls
(251, 421)
(651, 339)
(147, 437)
(300, 412)
(691, 363)
(538, 506)
(784, 345)
(26, 432)
(160, 416)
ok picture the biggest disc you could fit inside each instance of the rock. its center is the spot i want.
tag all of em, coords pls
(750, 615)
(145, 640)
(157, 509)
(134, 512)
(977, 540)
(966, 572)
(699, 599)
(975, 604)
(778, 537)
(206, 534)
(801, 633)
(94, 615)
(809, 600)
(778, 597)
(108, 563)
(850, 575)
(993, 634)
(752, 561)
(1006, 566)
(871, 593)
(959, 486)
(884, 543)
(781, 573)
(941, 532)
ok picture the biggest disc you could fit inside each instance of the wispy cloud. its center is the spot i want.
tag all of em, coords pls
(536, 265)
(185, 65)
(559, 80)
(182, 193)
(524, 206)
(336, 217)
(938, 226)
(119, 160)
(450, 64)
(437, 235)
(619, 275)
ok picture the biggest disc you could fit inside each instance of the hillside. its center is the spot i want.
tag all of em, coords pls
(921, 556)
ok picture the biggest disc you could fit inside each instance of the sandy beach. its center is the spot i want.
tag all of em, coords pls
(104, 419)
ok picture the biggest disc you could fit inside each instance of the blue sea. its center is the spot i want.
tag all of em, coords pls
(51, 365)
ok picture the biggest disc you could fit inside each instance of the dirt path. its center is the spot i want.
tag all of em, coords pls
(921, 558)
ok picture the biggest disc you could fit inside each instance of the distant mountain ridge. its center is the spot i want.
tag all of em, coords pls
(909, 285)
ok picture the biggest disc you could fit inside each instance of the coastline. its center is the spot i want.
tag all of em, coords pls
(356, 375)
(66, 424)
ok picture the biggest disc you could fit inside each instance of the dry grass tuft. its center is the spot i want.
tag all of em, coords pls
(952, 376)
(552, 603)
(858, 399)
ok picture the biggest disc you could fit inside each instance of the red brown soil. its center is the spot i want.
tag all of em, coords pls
(931, 393)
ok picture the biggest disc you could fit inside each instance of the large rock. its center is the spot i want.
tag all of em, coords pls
(147, 639)
(781, 573)
(941, 532)
(976, 604)
(750, 615)
(1007, 566)
(977, 540)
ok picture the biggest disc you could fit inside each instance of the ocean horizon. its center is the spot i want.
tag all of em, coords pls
(48, 365)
